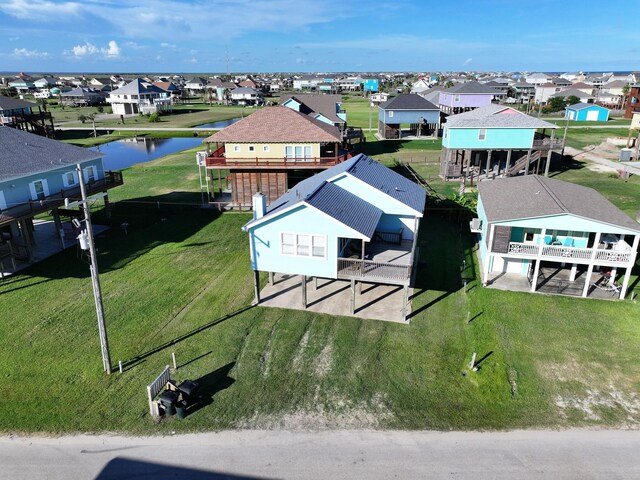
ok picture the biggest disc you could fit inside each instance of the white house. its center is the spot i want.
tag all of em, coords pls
(139, 97)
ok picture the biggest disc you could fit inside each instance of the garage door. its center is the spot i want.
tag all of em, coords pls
(592, 115)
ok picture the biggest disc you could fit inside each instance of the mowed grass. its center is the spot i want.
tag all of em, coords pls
(582, 137)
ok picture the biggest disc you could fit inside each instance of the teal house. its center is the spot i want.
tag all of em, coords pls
(37, 174)
(587, 112)
(356, 222)
(495, 140)
(544, 235)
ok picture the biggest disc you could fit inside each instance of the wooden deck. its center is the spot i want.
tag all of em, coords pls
(383, 262)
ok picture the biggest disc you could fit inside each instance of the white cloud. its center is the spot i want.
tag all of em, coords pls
(39, 10)
(112, 50)
(14, 39)
(192, 60)
(467, 62)
(168, 45)
(23, 53)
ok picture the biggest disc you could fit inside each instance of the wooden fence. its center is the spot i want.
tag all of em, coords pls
(156, 387)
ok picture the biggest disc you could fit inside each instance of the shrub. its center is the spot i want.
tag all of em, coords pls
(154, 117)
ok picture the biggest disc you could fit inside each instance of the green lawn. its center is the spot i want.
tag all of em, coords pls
(179, 281)
(581, 137)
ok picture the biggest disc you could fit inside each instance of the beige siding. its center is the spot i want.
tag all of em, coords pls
(276, 150)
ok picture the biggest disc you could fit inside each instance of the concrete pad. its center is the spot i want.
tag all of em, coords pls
(333, 297)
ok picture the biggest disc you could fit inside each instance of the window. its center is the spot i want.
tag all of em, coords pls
(456, 98)
(236, 148)
(252, 148)
(390, 113)
(69, 179)
(90, 174)
(38, 189)
(298, 150)
(265, 148)
(307, 151)
(303, 245)
(482, 134)
(288, 151)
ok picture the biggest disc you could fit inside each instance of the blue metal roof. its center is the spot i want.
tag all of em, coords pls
(346, 208)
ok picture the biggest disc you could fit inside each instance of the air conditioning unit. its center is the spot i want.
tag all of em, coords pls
(201, 158)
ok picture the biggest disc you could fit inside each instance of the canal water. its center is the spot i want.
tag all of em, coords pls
(123, 153)
(220, 124)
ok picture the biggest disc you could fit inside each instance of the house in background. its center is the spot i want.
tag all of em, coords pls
(546, 90)
(307, 82)
(466, 96)
(36, 175)
(195, 86)
(420, 85)
(378, 98)
(82, 97)
(324, 107)
(611, 95)
(139, 97)
(272, 150)
(246, 96)
(45, 83)
(220, 89)
(23, 83)
(422, 116)
(537, 78)
(571, 92)
(544, 235)
(371, 85)
(587, 112)
(355, 222)
(25, 116)
(495, 140)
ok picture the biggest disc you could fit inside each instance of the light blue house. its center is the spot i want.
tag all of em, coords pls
(357, 221)
(37, 174)
(544, 235)
(589, 112)
(494, 140)
(422, 117)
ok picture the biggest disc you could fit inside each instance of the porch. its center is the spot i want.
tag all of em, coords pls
(373, 301)
(556, 280)
(387, 259)
(45, 242)
(329, 156)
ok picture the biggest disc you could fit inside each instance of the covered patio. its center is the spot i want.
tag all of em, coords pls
(373, 301)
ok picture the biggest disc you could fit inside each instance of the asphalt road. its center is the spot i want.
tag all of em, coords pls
(522, 455)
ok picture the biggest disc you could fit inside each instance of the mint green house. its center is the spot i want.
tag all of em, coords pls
(494, 140)
(543, 235)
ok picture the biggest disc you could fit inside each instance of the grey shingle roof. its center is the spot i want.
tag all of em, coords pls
(582, 106)
(10, 103)
(137, 87)
(346, 208)
(571, 92)
(406, 101)
(23, 153)
(472, 88)
(489, 116)
(533, 196)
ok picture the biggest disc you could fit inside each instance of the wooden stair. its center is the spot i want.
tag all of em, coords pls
(522, 163)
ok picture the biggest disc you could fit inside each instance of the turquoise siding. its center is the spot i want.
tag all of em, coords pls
(495, 138)
(266, 243)
(581, 115)
(371, 85)
(568, 223)
(485, 230)
(17, 190)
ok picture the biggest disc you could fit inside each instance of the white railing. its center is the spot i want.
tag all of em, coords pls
(559, 252)
(352, 268)
(156, 387)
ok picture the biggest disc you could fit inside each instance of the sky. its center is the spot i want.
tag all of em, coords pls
(129, 36)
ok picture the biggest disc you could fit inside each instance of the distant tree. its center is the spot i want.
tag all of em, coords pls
(449, 84)
(555, 104)
(91, 117)
(572, 100)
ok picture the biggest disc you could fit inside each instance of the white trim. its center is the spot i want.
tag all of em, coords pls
(295, 245)
(251, 148)
(626, 230)
(266, 148)
(32, 188)
(65, 179)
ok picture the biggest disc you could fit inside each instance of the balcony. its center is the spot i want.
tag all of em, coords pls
(621, 255)
(545, 142)
(385, 261)
(218, 159)
(45, 204)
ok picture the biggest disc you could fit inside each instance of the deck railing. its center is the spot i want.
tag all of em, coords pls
(309, 162)
(368, 269)
(559, 252)
(34, 207)
(541, 143)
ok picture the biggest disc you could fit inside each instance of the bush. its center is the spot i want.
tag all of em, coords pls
(100, 109)
(154, 117)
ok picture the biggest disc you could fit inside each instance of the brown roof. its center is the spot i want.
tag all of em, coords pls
(277, 125)
(248, 83)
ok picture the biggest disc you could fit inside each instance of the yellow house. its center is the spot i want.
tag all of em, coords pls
(271, 150)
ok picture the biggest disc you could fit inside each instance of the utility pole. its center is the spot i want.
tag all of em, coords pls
(95, 280)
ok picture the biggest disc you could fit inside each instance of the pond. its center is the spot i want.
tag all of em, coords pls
(220, 124)
(123, 153)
